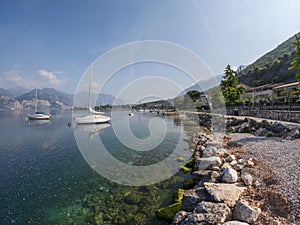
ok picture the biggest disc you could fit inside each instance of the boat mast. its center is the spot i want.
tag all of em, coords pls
(91, 71)
(35, 105)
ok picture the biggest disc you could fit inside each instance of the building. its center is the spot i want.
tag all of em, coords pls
(263, 93)
(282, 94)
(273, 94)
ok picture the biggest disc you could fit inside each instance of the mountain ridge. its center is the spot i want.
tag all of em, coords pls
(272, 67)
(48, 98)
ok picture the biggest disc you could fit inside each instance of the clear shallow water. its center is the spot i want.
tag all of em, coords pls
(46, 180)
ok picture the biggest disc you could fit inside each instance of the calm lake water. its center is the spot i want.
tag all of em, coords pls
(47, 179)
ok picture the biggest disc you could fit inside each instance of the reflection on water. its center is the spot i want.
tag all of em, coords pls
(92, 130)
(38, 122)
(45, 179)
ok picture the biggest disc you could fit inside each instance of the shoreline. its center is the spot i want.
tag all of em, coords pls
(265, 196)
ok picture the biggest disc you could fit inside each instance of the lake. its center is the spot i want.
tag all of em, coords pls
(99, 174)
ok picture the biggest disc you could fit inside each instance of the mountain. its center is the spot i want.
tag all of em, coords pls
(81, 99)
(17, 91)
(204, 85)
(273, 67)
(4, 92)
(47, 98)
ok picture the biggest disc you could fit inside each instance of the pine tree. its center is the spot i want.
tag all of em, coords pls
(231, 90)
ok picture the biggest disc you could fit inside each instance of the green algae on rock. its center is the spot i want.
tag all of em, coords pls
(168, 213)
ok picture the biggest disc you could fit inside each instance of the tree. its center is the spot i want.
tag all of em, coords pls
(295, 64)
(231, 90)
(194, 95)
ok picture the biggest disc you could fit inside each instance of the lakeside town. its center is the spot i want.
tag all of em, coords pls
(150, 112)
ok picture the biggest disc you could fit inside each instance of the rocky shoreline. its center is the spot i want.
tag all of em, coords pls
(228, 188)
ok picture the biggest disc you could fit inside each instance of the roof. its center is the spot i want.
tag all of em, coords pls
(263, 87)
(286, 85)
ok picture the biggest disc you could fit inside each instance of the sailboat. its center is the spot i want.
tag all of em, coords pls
(93, 117)
(38, 114)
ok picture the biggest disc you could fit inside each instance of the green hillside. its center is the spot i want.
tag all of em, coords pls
(272, 67)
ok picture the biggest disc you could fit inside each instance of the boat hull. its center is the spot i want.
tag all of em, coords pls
(38, 117)
(92, 119)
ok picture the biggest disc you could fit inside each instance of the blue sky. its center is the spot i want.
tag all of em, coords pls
(52, 43)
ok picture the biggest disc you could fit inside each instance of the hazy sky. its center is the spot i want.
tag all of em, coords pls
(51, 43)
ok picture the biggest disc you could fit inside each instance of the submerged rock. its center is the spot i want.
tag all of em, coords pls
(184, 169)
(178, 195)
(169, 212)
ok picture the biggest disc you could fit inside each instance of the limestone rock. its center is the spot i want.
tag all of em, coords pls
(210, 151)
(263, 132)
(247, 179)
(243, 212)
(234, 222)
(181, 215)
(208, 213)
(211, 177)
(193, 197)
(225, 165)
(293, 134)
(274, 222)
(209, 162)
(200, 175)
(229, 175)
(249, 163)
(220, 192)
(238, 166)
(230, 158)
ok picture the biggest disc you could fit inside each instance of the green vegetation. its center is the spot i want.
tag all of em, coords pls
(216, 97)
(188, 184)
(194, 95)
(272, 67)
(168, 212)
(184, 169)
(178, 195)
(295, 64)
(231, 90)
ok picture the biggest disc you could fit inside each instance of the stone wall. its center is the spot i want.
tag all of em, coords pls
(283, 115)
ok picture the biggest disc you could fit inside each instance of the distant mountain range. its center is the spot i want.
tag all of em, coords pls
(81, 99)
(273, 67)
(13, 92)
(204, 85)
(48, 98)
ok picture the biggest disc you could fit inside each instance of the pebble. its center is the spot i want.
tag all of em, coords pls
(282, 157)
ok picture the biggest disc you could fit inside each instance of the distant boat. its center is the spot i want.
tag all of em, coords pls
(93, 117)
(38, 115)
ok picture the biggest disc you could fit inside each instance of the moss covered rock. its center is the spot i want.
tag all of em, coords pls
(178, 195)
(188, 184)
(168, 212)
(184, 169)
(190, 163)
(133, 199)
(180, 159)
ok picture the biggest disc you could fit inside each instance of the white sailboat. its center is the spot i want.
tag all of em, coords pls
(38, 114)
(93, 117)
